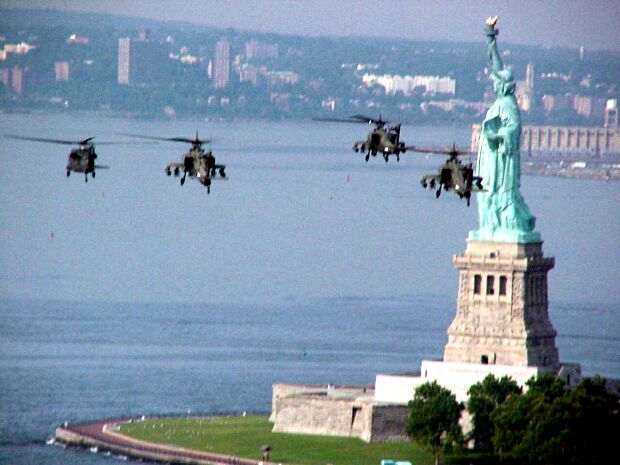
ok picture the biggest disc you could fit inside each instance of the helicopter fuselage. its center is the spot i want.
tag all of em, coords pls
(454, 177)
(199, 165)
(82, 160)
(382, 141)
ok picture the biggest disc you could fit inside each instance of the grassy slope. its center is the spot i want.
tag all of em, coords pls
(243, 437)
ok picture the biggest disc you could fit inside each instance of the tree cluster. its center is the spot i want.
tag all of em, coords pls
(547, 424)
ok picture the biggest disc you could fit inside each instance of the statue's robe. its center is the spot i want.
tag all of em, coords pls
(501, 207)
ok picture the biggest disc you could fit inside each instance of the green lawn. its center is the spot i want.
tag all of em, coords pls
(243, 436)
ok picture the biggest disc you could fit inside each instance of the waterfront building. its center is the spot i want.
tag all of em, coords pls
(61, 70)
(221, 64)
(569, 143)
(610, 118)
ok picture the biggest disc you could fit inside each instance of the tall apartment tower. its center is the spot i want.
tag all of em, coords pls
(221, 64)
(61, 70)
(124, 60)
(529, 76)
(141, 61)
(17, 79)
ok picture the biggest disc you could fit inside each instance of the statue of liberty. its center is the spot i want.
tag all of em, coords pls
(502, 212)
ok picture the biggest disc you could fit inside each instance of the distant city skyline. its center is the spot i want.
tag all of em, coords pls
(568, 23)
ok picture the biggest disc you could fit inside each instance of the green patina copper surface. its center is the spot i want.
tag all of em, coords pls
(502, 212)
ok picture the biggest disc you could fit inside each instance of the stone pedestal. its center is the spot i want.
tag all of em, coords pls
(502, 307)
(501, 328)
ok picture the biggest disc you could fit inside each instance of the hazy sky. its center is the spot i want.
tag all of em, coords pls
(568, 23)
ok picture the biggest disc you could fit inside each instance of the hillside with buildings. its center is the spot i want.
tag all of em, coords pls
(61, 60)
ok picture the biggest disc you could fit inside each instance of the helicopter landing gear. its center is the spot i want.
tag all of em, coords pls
(432, 184)
(222, 173)
(176, 172)
(168, 171)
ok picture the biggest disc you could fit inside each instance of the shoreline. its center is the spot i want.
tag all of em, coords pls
(599, 172)
(103, 436)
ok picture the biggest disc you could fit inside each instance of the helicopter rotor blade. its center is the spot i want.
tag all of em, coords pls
(367, 119)
(173, 139)
(51, 141)
(127, 143)
(339, 120)
(441, 150)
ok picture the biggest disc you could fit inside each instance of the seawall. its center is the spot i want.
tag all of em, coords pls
(101, 435)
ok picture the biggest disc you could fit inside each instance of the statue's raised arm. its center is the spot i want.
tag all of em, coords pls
(491, 33)
(503, 214)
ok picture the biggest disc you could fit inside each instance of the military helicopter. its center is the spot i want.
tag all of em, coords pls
(453, 175)
(383, 139)
(197, 163)
(81, 159)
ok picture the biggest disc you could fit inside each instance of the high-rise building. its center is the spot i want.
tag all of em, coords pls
(221, 64)
(529, 76)
(17, 79)
(141, 61)
(525, 89)
(124, 60)
(260, 51)
(5, 77)
(249, 73)
(61, 70)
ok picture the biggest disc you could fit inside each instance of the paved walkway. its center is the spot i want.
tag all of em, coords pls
(102, 435)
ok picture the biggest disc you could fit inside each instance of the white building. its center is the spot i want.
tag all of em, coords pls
(407, 84)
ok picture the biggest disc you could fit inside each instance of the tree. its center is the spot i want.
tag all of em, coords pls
(513, 438)
(434, 417)
(591, 422)
(484, 398)
(551, 425)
